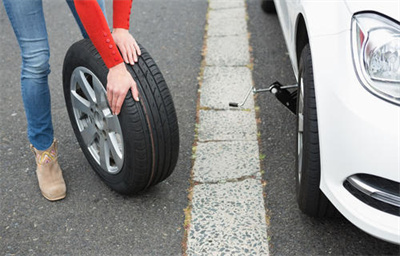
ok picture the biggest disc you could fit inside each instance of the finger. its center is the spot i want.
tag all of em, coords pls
(134, 54)
(130, 55)
(124, 54)
(118, 104)
(114, 104)
(137, 48)
(135, 92)
(109, 98)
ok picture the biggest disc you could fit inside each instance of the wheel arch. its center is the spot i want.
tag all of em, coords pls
(301, 36)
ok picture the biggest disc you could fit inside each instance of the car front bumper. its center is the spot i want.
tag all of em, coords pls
(359, 134)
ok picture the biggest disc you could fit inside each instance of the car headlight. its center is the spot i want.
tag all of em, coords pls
(376, 54)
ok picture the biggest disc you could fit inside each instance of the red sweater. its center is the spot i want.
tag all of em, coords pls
(97, 28)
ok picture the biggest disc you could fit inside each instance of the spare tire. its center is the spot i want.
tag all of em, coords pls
(139, 147)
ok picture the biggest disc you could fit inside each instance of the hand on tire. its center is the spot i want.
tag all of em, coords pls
(119, 81)
(127, 45)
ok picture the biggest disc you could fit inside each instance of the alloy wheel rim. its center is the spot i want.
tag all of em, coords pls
(300, 128)
(100, 129)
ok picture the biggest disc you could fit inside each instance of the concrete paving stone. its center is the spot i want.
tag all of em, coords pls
(225, 4)
(229, 125)
(226, 160)
(227, 22)
(228, 219)
(222, 85)
(228, 51)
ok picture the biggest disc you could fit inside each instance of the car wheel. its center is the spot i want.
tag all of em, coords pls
(310, 198)
(268, 6)
(139, 147)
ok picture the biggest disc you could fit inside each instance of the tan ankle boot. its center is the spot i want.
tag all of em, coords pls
(49, 173)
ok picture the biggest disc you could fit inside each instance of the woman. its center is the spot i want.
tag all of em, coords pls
(29, 26)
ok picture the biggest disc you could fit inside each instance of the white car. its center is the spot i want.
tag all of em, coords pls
(346, 58)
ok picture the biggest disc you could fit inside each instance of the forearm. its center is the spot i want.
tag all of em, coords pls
(121, 13)
(119, 80)
(97, 28)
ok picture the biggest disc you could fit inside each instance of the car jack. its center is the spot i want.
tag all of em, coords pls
(281, 92)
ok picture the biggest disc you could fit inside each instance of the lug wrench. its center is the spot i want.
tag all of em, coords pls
(280, 91)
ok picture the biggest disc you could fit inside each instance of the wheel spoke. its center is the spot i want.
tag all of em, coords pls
(300, 146)
(104, 154)
(85, 86)
(115, 150)
(301, 123)
(113, 123)
(80, 103)
(100, 93)
(300, 112)
(88, 134)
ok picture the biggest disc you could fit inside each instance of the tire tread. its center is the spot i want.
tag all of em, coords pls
(310, 198)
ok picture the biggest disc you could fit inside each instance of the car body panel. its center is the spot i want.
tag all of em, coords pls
(390, 8)
(358, 132)
(312, 12)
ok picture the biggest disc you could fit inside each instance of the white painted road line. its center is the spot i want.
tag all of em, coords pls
(227, 207)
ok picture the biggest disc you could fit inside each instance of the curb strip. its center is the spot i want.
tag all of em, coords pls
(226, 213)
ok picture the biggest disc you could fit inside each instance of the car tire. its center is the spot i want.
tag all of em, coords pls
(268, 6)
(139, 147)
(310, 198)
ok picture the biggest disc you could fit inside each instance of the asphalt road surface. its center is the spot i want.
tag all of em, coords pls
(93, 220)
(290, 231)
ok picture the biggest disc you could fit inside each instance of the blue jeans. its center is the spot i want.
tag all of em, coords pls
(28, 23)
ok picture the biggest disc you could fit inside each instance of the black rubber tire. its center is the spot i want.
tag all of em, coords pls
(310, 198)
(268, 6)
(149, 127)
